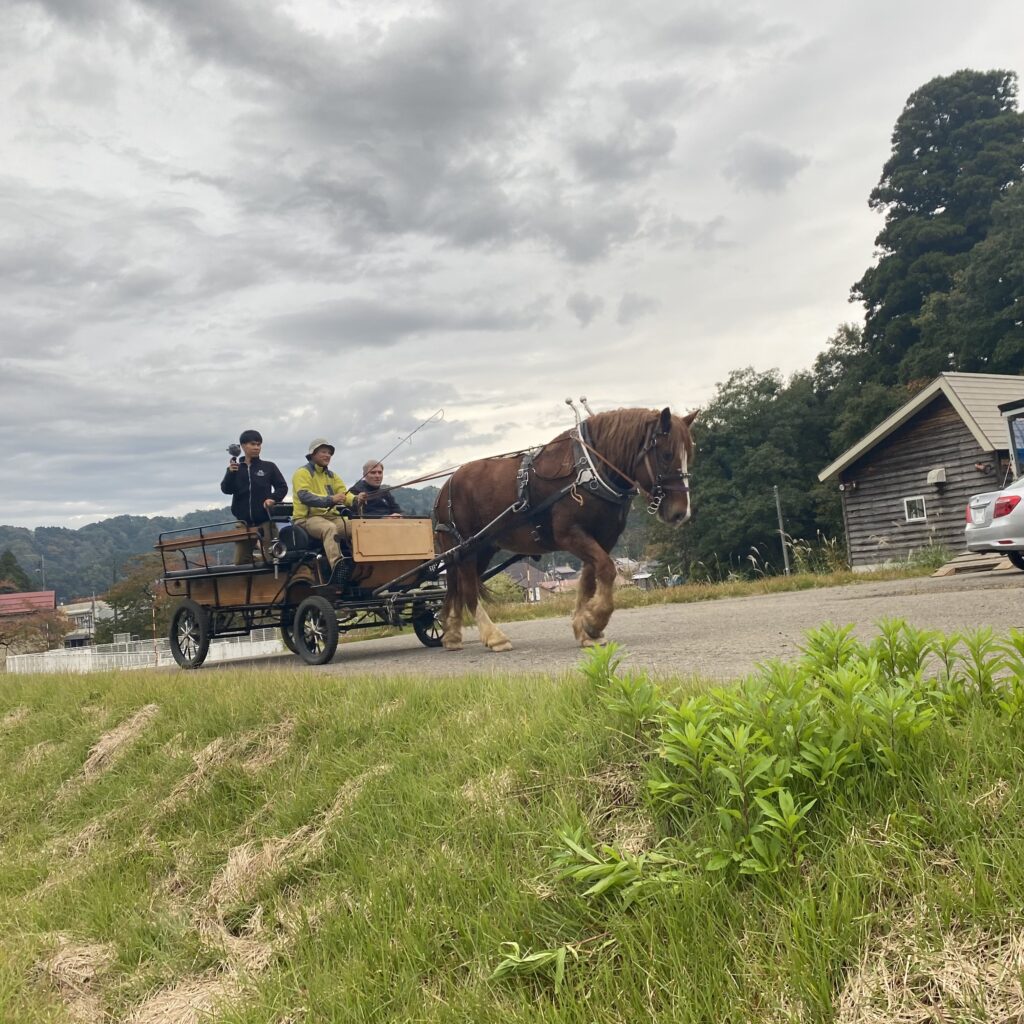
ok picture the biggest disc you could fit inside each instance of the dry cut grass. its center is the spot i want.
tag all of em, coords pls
(964, 974)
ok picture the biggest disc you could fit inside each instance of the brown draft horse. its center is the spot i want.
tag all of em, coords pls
(572, 495)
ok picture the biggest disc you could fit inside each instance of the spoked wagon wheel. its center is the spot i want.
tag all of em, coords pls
(189, 634)
(315, 631)
(429, 628)
(287, 637)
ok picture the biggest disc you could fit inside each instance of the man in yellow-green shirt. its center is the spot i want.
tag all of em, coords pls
(317, 494)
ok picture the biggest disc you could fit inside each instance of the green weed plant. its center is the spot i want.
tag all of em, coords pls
(752, 768)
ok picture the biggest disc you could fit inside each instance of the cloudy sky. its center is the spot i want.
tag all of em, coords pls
(332, 218)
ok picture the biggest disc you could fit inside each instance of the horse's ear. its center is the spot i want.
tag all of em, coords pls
(690, 417)
(665, 421)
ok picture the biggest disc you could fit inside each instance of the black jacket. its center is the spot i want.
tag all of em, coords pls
(379, 501)
(251, 486)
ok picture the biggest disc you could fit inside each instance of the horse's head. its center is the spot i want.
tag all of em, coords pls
(663, 468)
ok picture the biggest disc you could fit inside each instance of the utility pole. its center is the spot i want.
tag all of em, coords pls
(156, 652)
(782, 530)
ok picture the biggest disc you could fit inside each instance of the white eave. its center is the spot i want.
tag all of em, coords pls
(970, 394)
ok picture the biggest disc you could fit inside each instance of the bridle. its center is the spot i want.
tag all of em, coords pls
(661, 483)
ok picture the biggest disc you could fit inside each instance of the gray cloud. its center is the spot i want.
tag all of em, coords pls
(417, 129)
(657, 96)
(633, 307)
(702, 236)
(79, 82)
(584, 307)
(763, 166)
(584, 233)
(627, 154)
(347, 324)
(705, 26)
(79, 14)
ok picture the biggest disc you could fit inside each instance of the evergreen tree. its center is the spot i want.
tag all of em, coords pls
(980, 321)
(956, 148)
(756, 433)
(13, 579)
(846, 380)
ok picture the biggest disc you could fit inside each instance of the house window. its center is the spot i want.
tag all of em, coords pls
(914, 509)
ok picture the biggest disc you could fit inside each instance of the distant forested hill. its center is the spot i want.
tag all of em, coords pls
(86, 561)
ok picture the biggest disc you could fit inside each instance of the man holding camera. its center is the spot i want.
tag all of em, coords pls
(256, 486)
(317, 494)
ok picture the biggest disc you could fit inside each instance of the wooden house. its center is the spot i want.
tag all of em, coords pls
(906, 484)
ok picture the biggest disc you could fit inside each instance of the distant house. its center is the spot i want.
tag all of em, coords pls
(644, 581)
(15, 611)
(527, 576)
(540, 584)
(27, 602)
(84, 616)
(905, 484)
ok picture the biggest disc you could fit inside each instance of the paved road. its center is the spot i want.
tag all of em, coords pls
(716, 639)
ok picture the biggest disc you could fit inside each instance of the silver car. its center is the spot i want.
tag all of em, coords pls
(995, 522)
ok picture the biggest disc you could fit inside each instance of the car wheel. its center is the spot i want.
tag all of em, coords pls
(316, 631)
(1017, 557)
(429, 628)
(189, 634)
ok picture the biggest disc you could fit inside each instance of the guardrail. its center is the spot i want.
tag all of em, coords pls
(141, 654)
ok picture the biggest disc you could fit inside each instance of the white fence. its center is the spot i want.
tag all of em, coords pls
(141, 654)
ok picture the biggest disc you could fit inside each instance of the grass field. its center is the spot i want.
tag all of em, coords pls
(297, 847)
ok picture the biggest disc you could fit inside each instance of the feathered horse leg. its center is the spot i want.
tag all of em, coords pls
(584, 593)
(595, 600)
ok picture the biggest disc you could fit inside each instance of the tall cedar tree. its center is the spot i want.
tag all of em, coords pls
(981, 320)
(956, 148)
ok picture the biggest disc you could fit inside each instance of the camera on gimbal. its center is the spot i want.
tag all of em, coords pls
(234, 450)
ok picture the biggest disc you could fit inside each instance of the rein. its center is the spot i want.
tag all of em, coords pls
(439, 474)
(675, 481)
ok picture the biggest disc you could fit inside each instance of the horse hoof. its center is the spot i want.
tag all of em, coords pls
(453, 647)
(505, 645)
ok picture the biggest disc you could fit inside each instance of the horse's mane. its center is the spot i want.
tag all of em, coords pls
(619, 434)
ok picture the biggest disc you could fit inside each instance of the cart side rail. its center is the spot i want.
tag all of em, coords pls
(190, 549)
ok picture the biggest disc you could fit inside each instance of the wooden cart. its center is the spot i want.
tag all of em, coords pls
(393, 578)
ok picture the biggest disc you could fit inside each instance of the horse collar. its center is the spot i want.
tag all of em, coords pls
(588, 475)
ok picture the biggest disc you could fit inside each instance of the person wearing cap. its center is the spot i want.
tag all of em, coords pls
(317, 495)
(379, 502)
(255, 486)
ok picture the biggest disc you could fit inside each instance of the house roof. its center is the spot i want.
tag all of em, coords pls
(28, 601)
(525, 574)
(976, 397)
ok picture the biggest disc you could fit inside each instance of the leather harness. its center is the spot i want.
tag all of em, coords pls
(614, 487)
